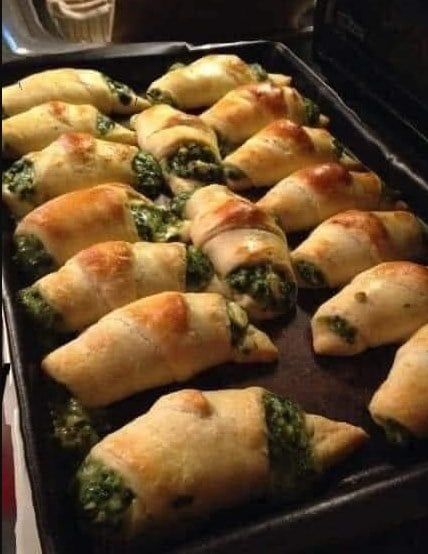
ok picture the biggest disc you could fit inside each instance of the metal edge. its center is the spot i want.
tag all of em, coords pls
(131, 50)
(93, 53)
(329, 512)
(24, 419)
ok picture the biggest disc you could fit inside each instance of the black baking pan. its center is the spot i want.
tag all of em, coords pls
(377, 488)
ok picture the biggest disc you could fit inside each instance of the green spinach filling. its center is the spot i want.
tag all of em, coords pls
(340, 326)
(196, 161)
(259, 72)
(178, 204)
(312, 112)
(73, 427)
(310, 274)
(158, 96)
(102, 496)
(233, 173)
(19, 179)
(292, 467)
(270, 288)
(104, 124)
(149, 174)
(122, 91)
(31, 255)
(155, 224)
(396, 433)
(199, 269)
(238, 320)
(39, 309)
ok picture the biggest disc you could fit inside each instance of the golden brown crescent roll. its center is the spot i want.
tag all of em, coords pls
(185, 146)
(278, 150)
(248, 250)
(39, 126)
(164, 338)
(400, 405)
(382, 305)
(311, 195)
(75, 86)
(350, 242)
(51, 234)
(76, 161)
(108, 275)
(247, 109)
(206, 80)
(194, 453)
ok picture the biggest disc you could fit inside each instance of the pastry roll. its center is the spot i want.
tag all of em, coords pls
(76, 161)
(400, 405)
(75, 86)
(164, 338)
(311, 195)
(109, 275)
(51, 234)
(350, 242)
(206, 80)
(382, 305)
(248, 250)
(277, 151)
(194, 453)
(247, 109)
(185, 146)
(36, 128)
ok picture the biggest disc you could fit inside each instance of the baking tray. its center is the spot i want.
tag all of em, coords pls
(376, 488)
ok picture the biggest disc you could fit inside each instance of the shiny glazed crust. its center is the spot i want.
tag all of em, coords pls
(36, 128)
(74, 221)
(206, 80)
(245, 110)
(310, 195)
(157, 340)
(278, 150)
(74, 161)
(76, 86)
(215, 209)
(353, 241)
(109, 275)
(234, 232)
